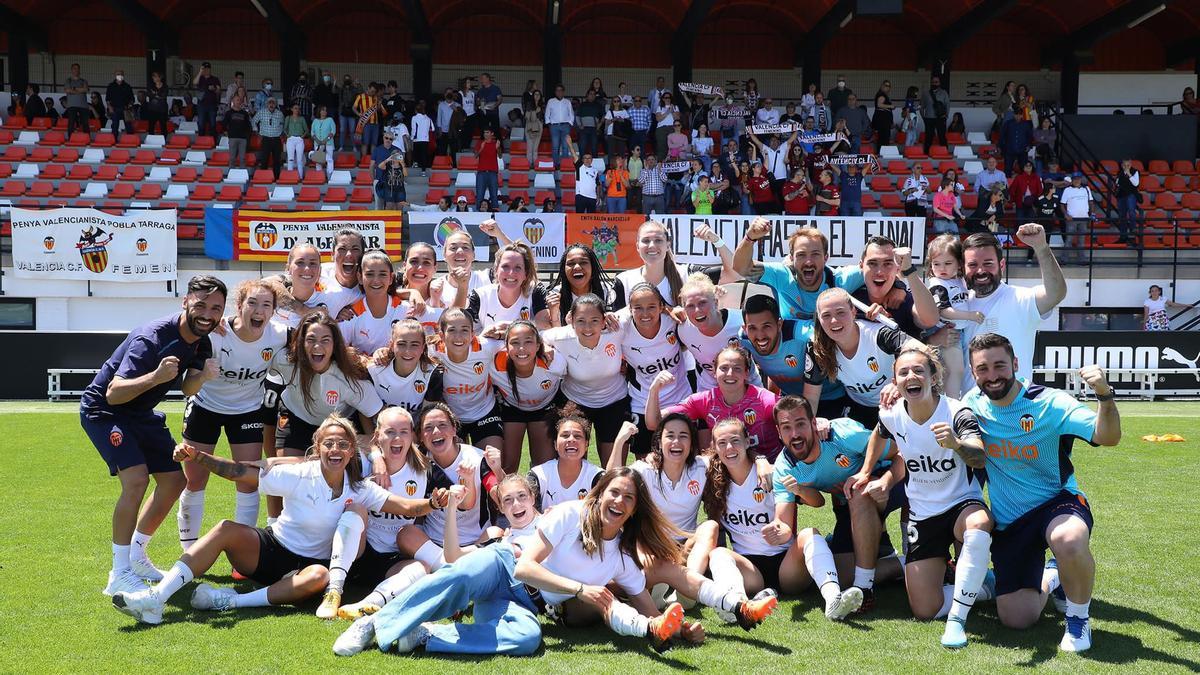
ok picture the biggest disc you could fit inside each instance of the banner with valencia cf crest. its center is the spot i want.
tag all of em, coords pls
(267, 236)
(92, 245)
(544, 232)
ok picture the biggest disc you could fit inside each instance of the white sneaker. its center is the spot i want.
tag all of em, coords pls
(124, 581)
(1078, 635)
(213, 598)
(356, 638)
(415, 638)
(145, 606)
(955, 635)
(146, 570)
(844, 604)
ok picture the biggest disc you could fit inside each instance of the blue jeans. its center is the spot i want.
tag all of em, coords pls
(206, 118)
(487, 183)
(587, 141)
(558, 141)
(1127, 209)
(850, 208)
(943, 226)
(346, 126)
(747, 207)
(617, 204)
(505, 617)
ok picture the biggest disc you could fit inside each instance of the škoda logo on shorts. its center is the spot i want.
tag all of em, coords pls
(115, 437)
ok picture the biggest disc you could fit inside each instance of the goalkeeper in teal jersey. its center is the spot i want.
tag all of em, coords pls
(1028, 431)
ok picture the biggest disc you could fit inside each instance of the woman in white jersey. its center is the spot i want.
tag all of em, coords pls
(858, 353)
(527, 380)
(595, 369)
(764, 554)
(453, 289)
(233, 401)
(340, 277)
(579, 273)
(407, 377)
(514, 296)
(569, 476)
(651, 346)
(942, 447)
(291, 558)
(321, 377)
(302, 279)
(659, 268)
(378, 309)
(466, 380)
(707, 329)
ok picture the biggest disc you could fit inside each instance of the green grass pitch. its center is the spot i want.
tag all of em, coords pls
(57, 502)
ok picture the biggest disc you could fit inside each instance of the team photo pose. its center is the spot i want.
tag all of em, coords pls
(340, 279)
(466, 381)
(1036, 501)
(941, 447)
(291, 558)
(944, 258)
(527, 378)
(651, 346)
(515, 295)
(379, 308)
(579, 273)
(453, 288)
(778, 346)
(659, 268)
(707, 328)
(117, 414)
(406, 375)
(569, 476)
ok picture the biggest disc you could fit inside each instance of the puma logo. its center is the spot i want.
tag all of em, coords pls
(1169, 354)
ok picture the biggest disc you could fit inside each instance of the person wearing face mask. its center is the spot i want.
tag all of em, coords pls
(347, 118)
(260, 99)
(269, 123)
(119, 96)
(839, 95)
(302, 95)
(326, 94)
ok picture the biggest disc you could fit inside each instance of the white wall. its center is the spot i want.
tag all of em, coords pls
(1129, 90)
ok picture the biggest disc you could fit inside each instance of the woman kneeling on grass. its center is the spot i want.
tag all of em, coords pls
(292, 557)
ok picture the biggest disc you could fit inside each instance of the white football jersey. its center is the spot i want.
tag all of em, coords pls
(523, 537)
(632, 277)
(409, 392)
(382, 528)
(594, 377)
(470, 521)
(330, 391)
(748, 508)
(552, 492)
(867, 372)
(679, 500)
(334, 296)
(291, 318)
(532, 393)
(367, 332)
(467, 386)
(937, 477)
(244, 365)
(704, 348)
(950, 294)
(478, 279)
(486, 307)
(562, 529)
(310, 509)
(649, 357)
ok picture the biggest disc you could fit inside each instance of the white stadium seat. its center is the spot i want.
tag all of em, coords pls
(92, 156)
(154, 141)
(27, 138)
(283, 193)
(159, 174)
(95, 191)
(237, 177)
(26, 170)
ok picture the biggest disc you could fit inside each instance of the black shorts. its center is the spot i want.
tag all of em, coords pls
(842, 538)
(1019, 550)
(202, 425)
(768, 566)
(484, 427)
(270, 405)
(372, 566)
(293, 433)
(125, 441)
(933, 537)
(847, 407)
(275, 561)
(509, 414)
(607, 420)
(640, 444)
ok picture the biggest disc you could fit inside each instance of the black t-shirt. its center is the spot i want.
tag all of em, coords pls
(237, 123)
(902, 315)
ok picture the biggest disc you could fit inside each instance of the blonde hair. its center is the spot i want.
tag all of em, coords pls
(354, 470)
(272, 286)
(699, 283)
(531, 272)
(808, 233)
(414, 458)
(948, 244)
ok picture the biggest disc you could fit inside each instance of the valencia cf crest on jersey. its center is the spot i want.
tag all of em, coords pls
(477, 367)
(759, 495)
(693, 487)
(331, 397)
(582, 492)
(790, 360)
(842, 461)
(410, 488)
(873, 364)
(267, 354)
(749, 416)
(670, 337)
(419, 386)
(546, 384)
(610, 349)
(524, 313)
(1026, 423)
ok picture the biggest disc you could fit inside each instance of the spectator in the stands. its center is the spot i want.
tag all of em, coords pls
(208, 97)
(678, 144)
(796, 157)
(1024, 106)
(808, 100)
(560, 117)
(946, 212)
(324, 135)
(422, 133)
(295, 130)
(858, 123)
(51, 111)
(911, 122)
(301, 95)
(989, 213)
(822, 116)
(1005, 105)
(935, 109)
(767, 114)
(535, 114)
(549, 205)
(1077, 207)
(727, 118)
(597, 89)
(589, 113)
(34, 106)
(791, 116)
(155, 110)
(460, 205)
(762, 197)
(119, 97)
(237, 129)
(1154, 310)
(915, 191)
(665, 118)
(76, 107)
(616, 185)
(265, 92)
(1054, 174)
(467, 98)
(487, 175)
(587, 181)
(1015, 137)
(829, 196)
(1128, 198)
(731, 158)
(347, 119)
(1188, 105)
(1024, 190)
(391, 99)
(518, 205)
(400, 132)
(139, 106)
(654, 99)
(741, 180)
(951, 176)
(635, 165)
(445, 111)
(490, 98)
(368, 109)
(625, 98)
(957, 124)
(98, 109)
(1044, 138)
(839, 96)
(654, 185)
(390, 174)
(616, 128)
(750, 96)
(882, 119)
(176, 115)
(1049, 210)
(527, 95)
(797, 194)
(984, 180)
(326, 94)
(231, 90)
(850, 182)
(639, 120)
(269, 124)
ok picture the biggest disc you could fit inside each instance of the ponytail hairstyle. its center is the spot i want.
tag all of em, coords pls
(570, 413)
(350, 366)
(947, 244)
(414, 458)
(670, 270)
(933, 358)
(657, 458)
(375, 255)
(585, 300)
(425, 363)
(354, 470)
(647, 286)
(647, 531)
(716, 491)
(401, 281)
(825, 350)
(516, 480)
(531, 272)
(436, 406)
(510, 368)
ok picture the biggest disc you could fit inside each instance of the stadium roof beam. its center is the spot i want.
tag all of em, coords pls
(552, 45)
(23, 33)
(1184, 50)
(161, 39)
(683, 40)
(421, 48)
(291, 39)
(956, 34)
(1080, 42)
(809, 47)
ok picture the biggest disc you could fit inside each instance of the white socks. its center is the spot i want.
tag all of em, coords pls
(257, 598)
(1050, 580)
(120, 557)
(246, 510)
(864, 578)
(725, 574)
(819, 561)
(625, 620)
(137, 548)
(345, 548)
(713, 594)
(173, 580)
(970, 571)
(430, 554)
(1078, 609)
(190, 517)
(394, 585)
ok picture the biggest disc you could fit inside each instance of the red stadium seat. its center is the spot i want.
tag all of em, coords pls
(1159, 166)
(121, 191)
(204, 143)
(79, 139)
(144, 157)
(1166, 201)
(212, 175)
(53, 172)
(897, 167)
(289, 177)
(150, 192)
(221, 158)
(185, 174)
(80, 172)
(41, 155)
(6, 137)
(40, 188)
(106, 173)
(5, 169)
(519, 179)
(179, 142)
(203, 193)
(518, 163)
(262, 177)
(53, 138)
(13, 188)
(335, 195)
(1191, 200)
(567, 181)
(939, 152)
(230, 193)
(1150, 183)
(891, 201)
(308, 195)
(130, 141)
(433, 196)
(133, 174)
(257, 193)
(14, 123)
(66, 156)
(362, 195)
(914, 152)
(566, 164)
(314, 177)
(363, 178)
(1175, 183)
(169, 157)
(103, 140)
(513, 194)
(15, 153)
(882, 184)
(568, 199)
(347, 161)
(1184, 167)
(439, 162)
(118, 156)
(468, 164)
(439, 179)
